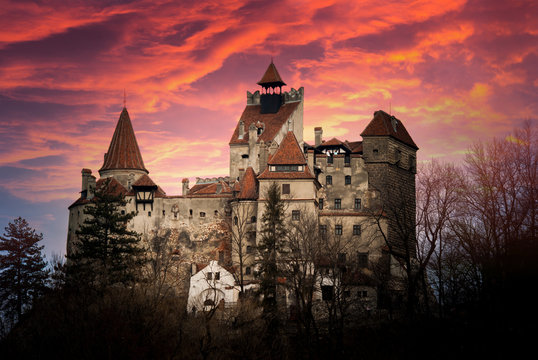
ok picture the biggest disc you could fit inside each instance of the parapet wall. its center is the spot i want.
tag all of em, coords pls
(288, 96)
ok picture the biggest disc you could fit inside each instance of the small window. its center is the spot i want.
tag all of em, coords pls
(357, 204)
(244, 156)
(249, 249)
(164, 212)
(347, 159)
(376, 152)
(323, 230)
(337, 203)
(356, 229)
(122, 212)
(216, 212)
(330, 159)
(247, 270)
(338, 230)
(190, 212)
(285, 188)
(329, 180)
(321, 204)
(209, 276)
(295, 214)
(253, 219)
(202, 214)
(236, 220)
(217, 275)
(363, 259)
(362, 293)
(326, 293)
(348, 180)
(149, 213)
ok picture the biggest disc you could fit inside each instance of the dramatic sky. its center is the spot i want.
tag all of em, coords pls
(452, 71)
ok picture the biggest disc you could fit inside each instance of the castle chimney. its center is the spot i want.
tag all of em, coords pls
(185, 188)
(318, 132)
(91, 187)
(86, 174)
(241, 129)
(263, 156)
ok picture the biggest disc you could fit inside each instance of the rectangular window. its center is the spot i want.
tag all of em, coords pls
(330, 159)
(337, 203)
(327, 293)
(164, 212)
(357, 204)
(295, 214)
(323, 230)
(348, 180)
(285, 188)
(217, 275)
(363, 259)
(202, 214)
(149, 213)
(356, 229)
(338, 230)
(287, 168)
(328, 180)
(209, 276)
(249, 249)
(347, 159)
(247, 270)
(321, 204)
(362, 293)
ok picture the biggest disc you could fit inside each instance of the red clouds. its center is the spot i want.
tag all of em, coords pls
(452, 71)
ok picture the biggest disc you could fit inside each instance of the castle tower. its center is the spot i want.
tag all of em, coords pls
(389, 155)
(123, 160)
(266, 119)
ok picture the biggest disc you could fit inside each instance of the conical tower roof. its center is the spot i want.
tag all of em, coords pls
(271, 78)
(123, 152)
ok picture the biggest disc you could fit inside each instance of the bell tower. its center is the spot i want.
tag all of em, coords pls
(270, 99)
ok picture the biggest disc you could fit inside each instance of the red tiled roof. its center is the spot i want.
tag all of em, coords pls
(288, 153)
(249, 186)
(305, 174)
(113, 186)
(123, 152)
(271, 77)
(210, 188)
(144, 180)
(355, 146)
(273, 122)
(381, 125)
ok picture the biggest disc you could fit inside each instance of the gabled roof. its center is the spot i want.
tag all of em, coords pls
(271, 78)
(144, 180)
(355, 146)
(384, 124)
(249, 186)
(123, 152)
(273, 122)
(210, 189)
(113, 187)
(288, 153)
(305, 174)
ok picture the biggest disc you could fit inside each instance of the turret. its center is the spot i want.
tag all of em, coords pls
(270, 99)
(185, 186)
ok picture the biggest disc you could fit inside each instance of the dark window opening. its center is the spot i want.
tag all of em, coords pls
(363, 260)
(338, 230)
(164, 212)
(357, 204)
(175, 215)
(321, 204)
(337, 203)
(122, 212)
(348, 180)
(376, 152)
(323, 230)
(347, 159)
(327, 293)
(202, 214)
(356, 229)
(244, 156)
(330, 159)
(287, 168)
(253, 219)
(190, 212)
(247, 270)
(217, 275)
(329, 180)
(295, 214)
(209, 276)
(149, 213)
(249, 250)
(236, 220)
(285, 188)
(362, 293)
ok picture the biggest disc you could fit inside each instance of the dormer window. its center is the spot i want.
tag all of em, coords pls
(287, 168)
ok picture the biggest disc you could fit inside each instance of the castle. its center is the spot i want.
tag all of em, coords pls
(338, 183)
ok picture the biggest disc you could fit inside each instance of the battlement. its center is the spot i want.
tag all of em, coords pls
(288, 96)
(212, 180)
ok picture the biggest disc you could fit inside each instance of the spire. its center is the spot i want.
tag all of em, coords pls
(123, 152)
(271, 78)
